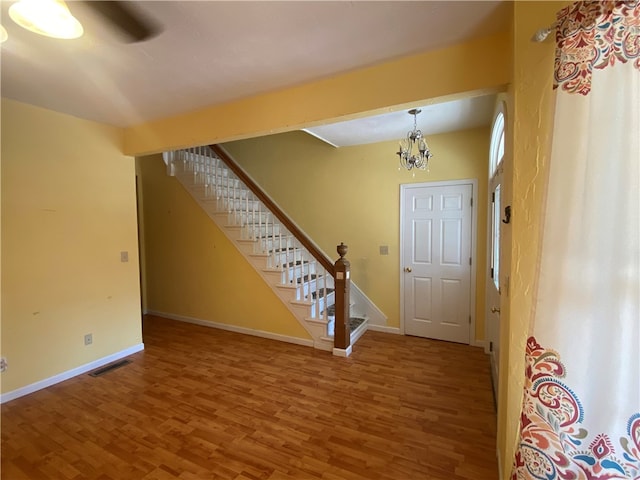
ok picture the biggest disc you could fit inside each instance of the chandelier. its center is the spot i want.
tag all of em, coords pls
(420, 159)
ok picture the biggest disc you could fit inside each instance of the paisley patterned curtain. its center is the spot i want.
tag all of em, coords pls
(581, 409)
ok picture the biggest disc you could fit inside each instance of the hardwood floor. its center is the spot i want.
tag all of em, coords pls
(201, 403)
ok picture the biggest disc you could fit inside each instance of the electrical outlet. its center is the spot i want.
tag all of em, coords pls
(124, 257)
(88, 339)
(3, 364)
(384, 249)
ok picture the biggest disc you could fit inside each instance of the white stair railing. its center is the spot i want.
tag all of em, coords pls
(310, 274)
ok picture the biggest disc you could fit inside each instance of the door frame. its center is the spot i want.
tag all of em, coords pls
(497, 176)
(474, 254)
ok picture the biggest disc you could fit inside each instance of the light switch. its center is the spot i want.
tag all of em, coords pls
(124, 256)
(384, 249)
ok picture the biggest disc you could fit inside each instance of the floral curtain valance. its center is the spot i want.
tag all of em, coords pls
(593, 35)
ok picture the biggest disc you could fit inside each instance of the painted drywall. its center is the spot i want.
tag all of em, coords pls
(68, 210)
(193, 270)
(352, 195)
(531, 127)
(480, 65)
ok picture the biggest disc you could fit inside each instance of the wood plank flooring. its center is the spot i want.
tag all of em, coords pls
(200, 403)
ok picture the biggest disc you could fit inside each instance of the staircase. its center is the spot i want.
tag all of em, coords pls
(300, 274)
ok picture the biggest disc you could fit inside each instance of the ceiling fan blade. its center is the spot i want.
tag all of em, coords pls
(126, 19)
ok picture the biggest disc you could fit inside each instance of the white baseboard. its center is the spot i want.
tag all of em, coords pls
(234, 328)
(384, 329)
(74, 372)
(343, 352)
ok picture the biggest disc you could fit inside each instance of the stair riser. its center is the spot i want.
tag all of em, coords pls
(247, 248)
(226, 193)
(238, 205)
(300, 311)
(243, 218)
(203, 177)
(288, 257)
(292, 274)
(251, 233)
(224, 186)
(206, 167)
(320, 305)
(264, 231)
(281, 242)
(236, 234)
(308, 288)
(213, 205)
(273, 277)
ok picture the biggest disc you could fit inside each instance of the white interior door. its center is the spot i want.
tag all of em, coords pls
(495, 240)
(436, 261)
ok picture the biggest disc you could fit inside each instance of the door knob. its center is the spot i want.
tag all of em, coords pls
(495, 310)
(407, 269)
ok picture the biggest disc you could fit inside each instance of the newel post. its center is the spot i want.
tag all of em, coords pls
(342, 339)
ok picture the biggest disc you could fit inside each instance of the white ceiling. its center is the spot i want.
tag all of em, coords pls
(212, 52)
(469, 112)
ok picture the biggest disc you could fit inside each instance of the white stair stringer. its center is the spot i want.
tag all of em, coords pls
(298, 279)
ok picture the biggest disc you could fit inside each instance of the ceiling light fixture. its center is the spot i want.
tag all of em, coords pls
(3, 34)
(51, 18)
(408, 159)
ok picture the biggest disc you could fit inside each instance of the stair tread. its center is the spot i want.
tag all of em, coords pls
(306, 278)
(297, 263)
(321, 293)
(331, 310)
(354, 323)
(302, 302)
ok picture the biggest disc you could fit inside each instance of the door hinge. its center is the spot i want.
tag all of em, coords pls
(493, 197)
(469, 260)
(469, 319)
(472, 201)
(491, 346)
(491, 272)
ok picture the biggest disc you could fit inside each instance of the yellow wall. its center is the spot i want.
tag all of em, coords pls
(485, 64)
(352, 195)
(480, 65)
(193, 270)
(531, 126)
(37, 243)
(68, 210)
